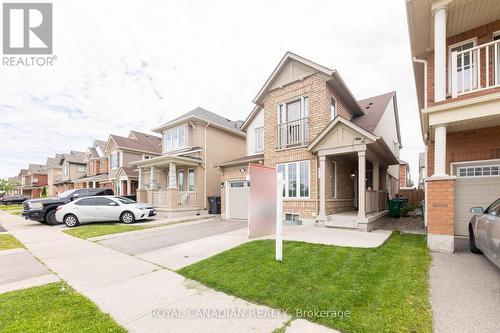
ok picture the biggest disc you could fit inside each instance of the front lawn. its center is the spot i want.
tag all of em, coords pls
(54, 307)
(99, 229)
(385, 289)
(11, 207)
(8, 242)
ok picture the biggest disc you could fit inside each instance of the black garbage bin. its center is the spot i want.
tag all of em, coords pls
(214, 205)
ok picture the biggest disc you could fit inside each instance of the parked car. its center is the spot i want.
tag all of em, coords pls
(44, 210)
(103, 209)
(13, 199)
(484, 232)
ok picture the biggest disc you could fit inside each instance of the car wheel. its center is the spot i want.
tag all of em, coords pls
(472, 242)
(127, 217)
(71, 221)
(50, 218)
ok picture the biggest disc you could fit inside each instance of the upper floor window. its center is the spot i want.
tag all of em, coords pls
(80, 168)
(114, 160)
(465, 65)
(333, 107)
(175, 138)
(292, 128)
(259, 139)
(292, 111)
(65, 170)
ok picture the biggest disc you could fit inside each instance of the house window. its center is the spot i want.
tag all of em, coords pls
(479, 171)
(465, 66)
(80, 168)
(334, 180)
(290, 217)
(333, 107)
(259, 139)
(180, 180)
(292, 111)
(175, 138)
(191, 180)
(292, 118)
(114, 161)
(296, 179)
(65, 170)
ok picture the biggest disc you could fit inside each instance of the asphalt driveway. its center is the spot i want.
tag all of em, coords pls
(138, 243)
(465, 291)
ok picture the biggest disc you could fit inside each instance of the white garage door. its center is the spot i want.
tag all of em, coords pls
(476, 186)
(239, 195)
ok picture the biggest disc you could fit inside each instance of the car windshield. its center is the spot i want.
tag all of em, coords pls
(66, 194)
(125, 201)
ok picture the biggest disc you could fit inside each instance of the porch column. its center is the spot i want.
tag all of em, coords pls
(439, 13)
(129, 187)
(172, 175)
(361, 184)
(440, 151)
(140, 178)
(93, 184)
(152, 177)
(322, 188)
(376, 175)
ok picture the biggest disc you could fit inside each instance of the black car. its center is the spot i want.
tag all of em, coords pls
(44, 210)
(12, 199)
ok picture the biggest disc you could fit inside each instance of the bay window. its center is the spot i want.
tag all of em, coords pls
(175, 138)
(295, 179)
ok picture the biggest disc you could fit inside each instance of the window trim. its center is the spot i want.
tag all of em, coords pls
(455, 166)
(283, 107)
(333, 98)
(297, 197)
(291, 213)
(467, 41)
(170, 132)
(259, 130)
(117, 154)
(80, 168)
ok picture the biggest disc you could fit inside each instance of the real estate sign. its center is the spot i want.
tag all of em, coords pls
(262, 207)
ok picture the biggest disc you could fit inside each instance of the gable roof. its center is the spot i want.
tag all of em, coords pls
(141, 141)
(373, 108)
(336, 81)
(23, 172)
(37, 168)
(54, 161)
(205, 115)
(74, 157)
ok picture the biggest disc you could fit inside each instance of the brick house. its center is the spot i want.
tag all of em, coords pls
(73, 168)
(308, 125)
(96, 169)
(180, 180)
(33, 180)
(404, 175)
(455, 47)
(54, 173)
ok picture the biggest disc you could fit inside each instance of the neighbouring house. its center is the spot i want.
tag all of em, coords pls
(421, 170)
(96, 170)
(121, 153)
(338, 155)
(455, 46)
(184, 176)
(33, 180)
(22, 180)
(73, 168)
(54, 173)
(404, 175)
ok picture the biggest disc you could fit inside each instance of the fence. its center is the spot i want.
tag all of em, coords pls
(415, 196)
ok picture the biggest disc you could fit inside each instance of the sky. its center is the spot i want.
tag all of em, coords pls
(124, 65)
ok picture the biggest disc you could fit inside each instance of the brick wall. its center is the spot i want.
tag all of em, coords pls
(440, 207)
(402, 175)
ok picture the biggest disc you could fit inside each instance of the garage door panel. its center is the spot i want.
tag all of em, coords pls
(239, 195)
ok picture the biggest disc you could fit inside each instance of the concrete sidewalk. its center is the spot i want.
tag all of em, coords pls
(136, 293)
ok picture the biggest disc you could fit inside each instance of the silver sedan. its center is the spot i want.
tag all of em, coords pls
(484, 232)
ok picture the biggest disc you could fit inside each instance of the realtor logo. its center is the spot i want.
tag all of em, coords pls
(27, 28)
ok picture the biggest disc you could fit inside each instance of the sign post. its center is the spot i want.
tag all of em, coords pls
(279, 218)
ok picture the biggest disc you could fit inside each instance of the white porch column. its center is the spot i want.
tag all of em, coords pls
(322, 188)
(140, 178)
(376, 175)
(172, 175)
(93, 184)
(361, 184)
(152, 177)
(440, 151)
(129, 187)
(440, 51)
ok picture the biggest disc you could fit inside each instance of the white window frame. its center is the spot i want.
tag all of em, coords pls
(65, 169)
(334, 112)
(283, 109)
(259, 131)
(175, 144)
(80, 168)
(191, 171)
(297, 175)
(474, 44)
(114, 157)
(456, 166)
(334, 180)
(291, 213)
(180, 180)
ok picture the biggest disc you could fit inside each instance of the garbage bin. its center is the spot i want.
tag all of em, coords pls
(214, 205)
(395, 207)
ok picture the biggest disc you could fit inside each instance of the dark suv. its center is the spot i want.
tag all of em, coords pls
(44, 210)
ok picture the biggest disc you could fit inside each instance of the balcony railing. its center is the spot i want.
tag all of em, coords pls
(375, 201)
(187, 198)
(475, 69)
(292, 133)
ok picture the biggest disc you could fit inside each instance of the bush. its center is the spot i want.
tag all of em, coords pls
(406, 208)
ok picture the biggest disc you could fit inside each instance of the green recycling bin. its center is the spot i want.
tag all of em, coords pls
(395, 207)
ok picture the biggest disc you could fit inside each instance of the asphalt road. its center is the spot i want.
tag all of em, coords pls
(139, 243)
(465, 291)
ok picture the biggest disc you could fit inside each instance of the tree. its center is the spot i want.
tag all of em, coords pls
(44, 192)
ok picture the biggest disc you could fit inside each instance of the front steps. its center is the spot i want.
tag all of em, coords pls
(342, 220)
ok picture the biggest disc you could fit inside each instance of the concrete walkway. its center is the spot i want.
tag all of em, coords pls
(141, 296)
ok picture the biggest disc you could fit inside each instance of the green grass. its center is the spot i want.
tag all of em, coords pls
(17, 212)
(11, 207)
(54, 307)
(8, 242)
(385, 289)
(99, 229)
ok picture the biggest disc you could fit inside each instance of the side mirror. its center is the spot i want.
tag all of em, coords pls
(476, 210)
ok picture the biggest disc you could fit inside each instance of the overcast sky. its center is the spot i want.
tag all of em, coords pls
(125, 65)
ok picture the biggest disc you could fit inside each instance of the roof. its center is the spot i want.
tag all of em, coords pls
(23, 172)
(37, 168)
(97, 178)
(54, 161)
(74, 157)
(129, 171)
(93, 152)
(208, 116)
(140, 141)
(99, 143)
(242, 160)
(373, 108)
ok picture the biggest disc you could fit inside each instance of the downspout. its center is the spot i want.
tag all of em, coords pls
(424, 62)
(205, 178)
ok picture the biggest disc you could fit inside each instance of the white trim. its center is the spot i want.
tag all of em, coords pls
(170, 131)
(473, 64)
(297, 197)
(336, 107)
(334, 177)
(474, 164)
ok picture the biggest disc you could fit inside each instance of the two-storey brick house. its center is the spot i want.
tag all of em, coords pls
(33, 180)
(455, 47)
(73, 168)
(96, 170)
(309, 126)
(54, 173)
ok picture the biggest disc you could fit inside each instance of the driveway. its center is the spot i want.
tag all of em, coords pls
(465, 291)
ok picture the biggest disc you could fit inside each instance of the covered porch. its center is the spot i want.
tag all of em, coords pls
(169, 183)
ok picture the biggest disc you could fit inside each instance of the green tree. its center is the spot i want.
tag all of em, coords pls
(44, 192)
(7, 185)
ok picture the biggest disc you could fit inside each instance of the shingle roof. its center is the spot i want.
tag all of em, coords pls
(54, 161)
(75, 157)
(242, 160)
(101, 144)
(209, 116)
(145, 142)
(93, 152)
(37, 168)
(130, 171)
(23, 172)
(373, 108)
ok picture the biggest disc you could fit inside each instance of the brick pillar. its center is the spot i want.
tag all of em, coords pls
(440, 214)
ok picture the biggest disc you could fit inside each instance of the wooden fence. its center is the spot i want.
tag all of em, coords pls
(415, 196)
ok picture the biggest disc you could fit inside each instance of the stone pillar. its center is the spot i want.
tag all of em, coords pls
(440, 151)
(440, 53)
(172, 175)
(322, 188)
(440, 224)
(129, 187)
(93, 184)
(361, 185)
(152, 177)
